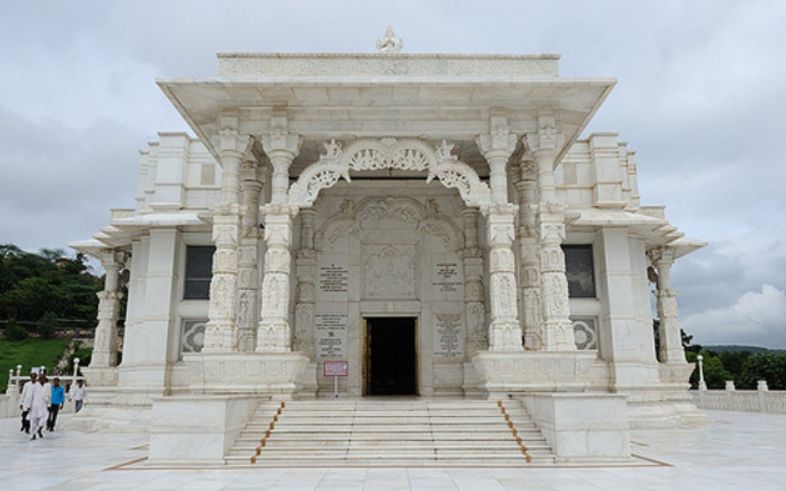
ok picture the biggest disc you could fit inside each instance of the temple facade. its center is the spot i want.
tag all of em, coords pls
(437, 221)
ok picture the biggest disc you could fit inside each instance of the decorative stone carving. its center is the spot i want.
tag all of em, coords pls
(248, 251)
(390, 43)
(497, 146)
(390, 272)
(306, 265)
(504, 330)
(192, 336)
(383, 154)
(273, 334)
(585, 332)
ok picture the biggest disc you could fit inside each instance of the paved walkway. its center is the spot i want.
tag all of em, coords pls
(737, 451)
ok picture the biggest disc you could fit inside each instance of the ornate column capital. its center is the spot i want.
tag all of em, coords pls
(548, 137)
(278, 142)
(497, 146)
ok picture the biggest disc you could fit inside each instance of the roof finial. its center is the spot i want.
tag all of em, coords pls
(390, 43)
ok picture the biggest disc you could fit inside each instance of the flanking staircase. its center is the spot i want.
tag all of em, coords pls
(397, 432)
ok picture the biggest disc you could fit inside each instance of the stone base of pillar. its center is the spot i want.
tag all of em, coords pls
(270, 374)
(510, 373)
(100, 377)
(273, 338)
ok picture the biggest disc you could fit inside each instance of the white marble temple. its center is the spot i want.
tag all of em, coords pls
(337, 188)
(737, 451)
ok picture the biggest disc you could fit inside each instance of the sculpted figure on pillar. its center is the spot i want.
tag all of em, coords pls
(671, 350)
(221, 333)
(556, 331)
(104, 346)
(281, 148)
(497, 146)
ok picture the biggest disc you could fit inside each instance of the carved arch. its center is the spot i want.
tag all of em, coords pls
(388, 153)
(349, 220)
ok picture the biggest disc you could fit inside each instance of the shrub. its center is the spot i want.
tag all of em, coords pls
(14, 331)
(46, 325)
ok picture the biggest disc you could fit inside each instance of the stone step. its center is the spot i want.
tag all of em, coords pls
(392, 460)
(362, 421)
(388, 428)
(317, 438)
(320, 440)
(478, 450)
(390, 432)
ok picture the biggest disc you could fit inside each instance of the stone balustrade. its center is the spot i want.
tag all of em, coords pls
(761, 400)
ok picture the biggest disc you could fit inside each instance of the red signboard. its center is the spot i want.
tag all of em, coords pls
(338, 368)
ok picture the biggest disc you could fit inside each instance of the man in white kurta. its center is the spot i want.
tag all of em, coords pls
(39, 407)
(25, 399)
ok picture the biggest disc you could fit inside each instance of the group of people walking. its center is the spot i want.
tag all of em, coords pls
(41, 402)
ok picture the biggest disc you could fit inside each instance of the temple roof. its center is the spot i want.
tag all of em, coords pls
(354, 95)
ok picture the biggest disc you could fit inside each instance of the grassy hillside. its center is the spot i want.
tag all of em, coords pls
(29, 352)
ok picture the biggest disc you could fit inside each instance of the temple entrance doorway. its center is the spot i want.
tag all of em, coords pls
(390, 356)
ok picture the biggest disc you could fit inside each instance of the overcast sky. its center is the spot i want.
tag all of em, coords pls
(701, 97)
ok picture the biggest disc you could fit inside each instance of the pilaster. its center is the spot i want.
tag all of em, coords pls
(221, 333)
(306, 264)
(474, 310)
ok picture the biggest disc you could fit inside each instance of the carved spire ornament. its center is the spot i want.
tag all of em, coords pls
(390, 43)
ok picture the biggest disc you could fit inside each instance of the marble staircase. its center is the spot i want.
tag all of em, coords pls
(390, 432)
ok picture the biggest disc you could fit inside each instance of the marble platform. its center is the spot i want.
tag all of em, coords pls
(735, 451)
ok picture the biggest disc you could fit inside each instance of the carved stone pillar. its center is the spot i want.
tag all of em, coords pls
(248, 257)
(273, 334)
(306, 264)
(529, 255)
(474, 310)
(557, 331)
(221, 333)
(504, 330)
(104, 344)
(671, 350)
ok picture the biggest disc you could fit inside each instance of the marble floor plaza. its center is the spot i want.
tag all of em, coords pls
(734, 451)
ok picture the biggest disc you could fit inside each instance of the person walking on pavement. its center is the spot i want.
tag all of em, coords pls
(39, 401)
(56, 401)
(78, 395)
(25, 399)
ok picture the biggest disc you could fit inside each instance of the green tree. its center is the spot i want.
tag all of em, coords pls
(47, 282)
(715, 374)
(765, 366)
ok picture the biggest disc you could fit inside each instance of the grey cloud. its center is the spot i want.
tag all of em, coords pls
(701, 98)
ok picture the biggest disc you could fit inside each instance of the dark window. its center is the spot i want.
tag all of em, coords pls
(199, 270)
(580, 270)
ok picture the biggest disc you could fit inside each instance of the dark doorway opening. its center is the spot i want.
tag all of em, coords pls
(391, 356)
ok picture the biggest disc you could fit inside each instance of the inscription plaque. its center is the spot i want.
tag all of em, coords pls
(330, 335)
